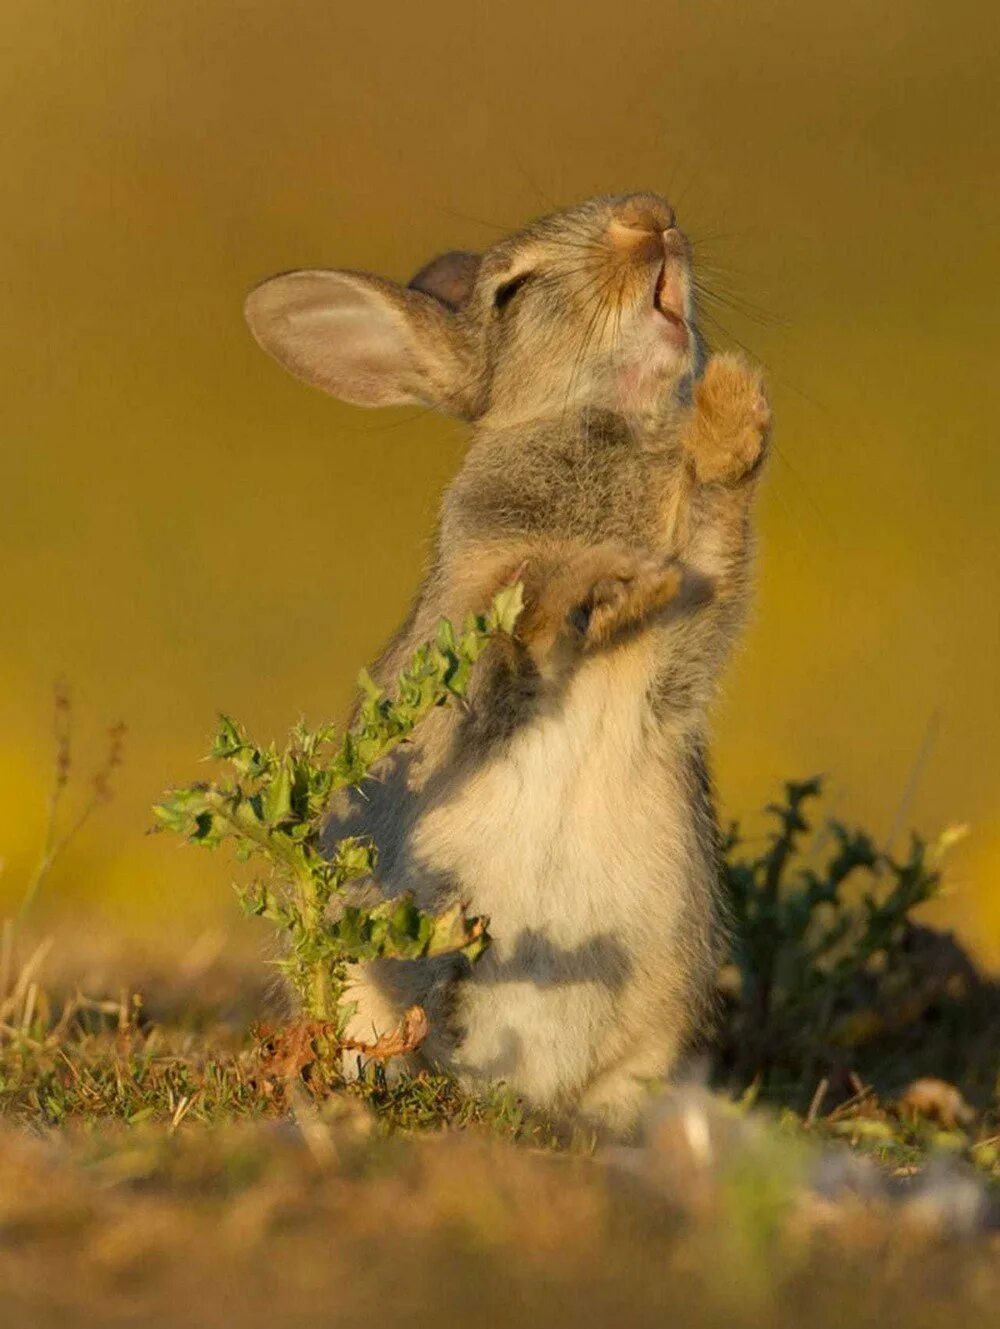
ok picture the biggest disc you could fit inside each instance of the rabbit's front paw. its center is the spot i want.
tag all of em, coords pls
(727, 434)
(594, 594)
(625, 597)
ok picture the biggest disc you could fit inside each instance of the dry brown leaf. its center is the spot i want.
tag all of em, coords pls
(285, 1053)
(406, 1037)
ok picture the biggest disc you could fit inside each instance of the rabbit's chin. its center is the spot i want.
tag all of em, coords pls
(652, 368)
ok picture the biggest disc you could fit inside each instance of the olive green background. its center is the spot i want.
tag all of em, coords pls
(185, 528)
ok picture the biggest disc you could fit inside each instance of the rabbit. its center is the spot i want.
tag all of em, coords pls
(611, 470)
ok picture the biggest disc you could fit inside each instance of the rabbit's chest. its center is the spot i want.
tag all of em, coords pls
(574, 844)
(561, 838)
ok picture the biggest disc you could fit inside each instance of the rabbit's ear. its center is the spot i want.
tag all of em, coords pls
(358, 337)
(449, 277)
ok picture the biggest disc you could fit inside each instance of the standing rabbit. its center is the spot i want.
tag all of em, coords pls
(611, 471)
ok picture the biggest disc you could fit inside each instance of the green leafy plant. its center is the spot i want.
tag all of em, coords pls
(823, 954)
(273, 807)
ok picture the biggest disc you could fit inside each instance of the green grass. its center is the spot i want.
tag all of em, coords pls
(153, 1170)
(176, 1148)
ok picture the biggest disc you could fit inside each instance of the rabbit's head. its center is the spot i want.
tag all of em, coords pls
(590, 307)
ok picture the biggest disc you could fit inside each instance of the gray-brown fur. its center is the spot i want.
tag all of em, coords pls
(610, 470)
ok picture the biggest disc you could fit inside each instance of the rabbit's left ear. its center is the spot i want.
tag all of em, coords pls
(449, 278)
(360, 338)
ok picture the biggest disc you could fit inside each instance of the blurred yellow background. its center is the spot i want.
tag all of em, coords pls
(187, 529)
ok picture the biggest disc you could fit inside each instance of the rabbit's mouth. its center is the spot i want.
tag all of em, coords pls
(669, 300)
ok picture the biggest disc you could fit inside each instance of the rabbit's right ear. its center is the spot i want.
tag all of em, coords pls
(360, 338)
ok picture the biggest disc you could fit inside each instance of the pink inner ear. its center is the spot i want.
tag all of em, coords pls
(449, 277)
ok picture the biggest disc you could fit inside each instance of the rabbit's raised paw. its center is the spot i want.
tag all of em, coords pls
(727, 435)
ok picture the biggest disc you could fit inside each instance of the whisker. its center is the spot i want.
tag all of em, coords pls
(707, 314)
(576, 368)
(477, 221)
(595, 298)
(738, 305)
(713, 237)
(533, 183)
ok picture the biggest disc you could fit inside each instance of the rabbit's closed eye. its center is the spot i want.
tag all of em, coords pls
(507, 290)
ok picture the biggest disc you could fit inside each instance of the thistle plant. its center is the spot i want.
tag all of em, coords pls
(820, 947)
(272, 811)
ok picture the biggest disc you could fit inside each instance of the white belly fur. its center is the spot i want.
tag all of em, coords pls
(575, 843)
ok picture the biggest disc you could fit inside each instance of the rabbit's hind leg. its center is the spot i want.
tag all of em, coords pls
(614, 1103)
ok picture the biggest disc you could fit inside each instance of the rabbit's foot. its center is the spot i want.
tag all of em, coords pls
(727, 434)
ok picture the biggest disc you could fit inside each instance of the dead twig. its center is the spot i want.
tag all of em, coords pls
(817, 1102)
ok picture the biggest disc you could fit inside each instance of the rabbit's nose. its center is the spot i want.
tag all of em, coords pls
(645, 212)
(676, 244)
(639, 224)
